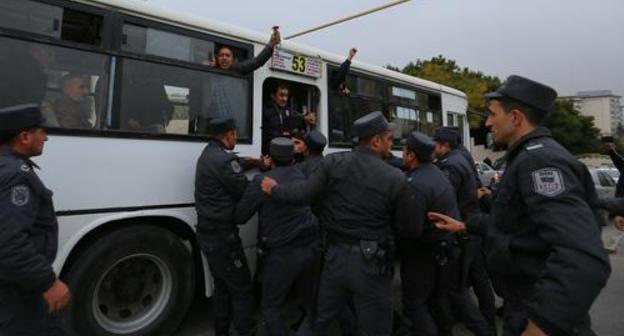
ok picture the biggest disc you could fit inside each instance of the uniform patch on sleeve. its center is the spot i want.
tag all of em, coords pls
(548, 182)
(235, 166)
(20, 195)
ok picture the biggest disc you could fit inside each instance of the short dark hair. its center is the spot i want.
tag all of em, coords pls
(418, 156)
(7, 137)
(279, 86)
(535, 116)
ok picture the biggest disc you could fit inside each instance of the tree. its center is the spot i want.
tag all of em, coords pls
(573, 130)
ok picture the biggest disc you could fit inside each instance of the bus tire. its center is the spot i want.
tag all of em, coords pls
(134, 281)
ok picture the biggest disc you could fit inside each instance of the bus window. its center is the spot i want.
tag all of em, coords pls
(52, 21)
(69, 84)
(158, 98)
(298, 113)
(144, 40)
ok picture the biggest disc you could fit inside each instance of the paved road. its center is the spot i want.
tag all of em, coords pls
(607, 313)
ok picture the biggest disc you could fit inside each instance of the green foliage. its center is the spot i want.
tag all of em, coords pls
(574, 131)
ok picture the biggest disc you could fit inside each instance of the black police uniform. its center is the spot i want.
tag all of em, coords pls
(544, 246)
(288, 237)
(219, 184)
(28, 237)
(459, 172)
(424, 261)
(362, 203)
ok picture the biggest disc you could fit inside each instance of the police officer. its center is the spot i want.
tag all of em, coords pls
(475, 271)
(424, 261)
(219, 184)
(31, 295)
(364, 202)
(460, 173)
(543, 237)
(315, 143)
(288, 236)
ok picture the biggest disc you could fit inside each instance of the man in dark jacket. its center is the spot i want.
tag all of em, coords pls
(219, 185)
(363, 202)
(226, 59)
(314, 142)
(426, 262)
(618, 162)
(288, 236)
(543, 236)
(31, 295)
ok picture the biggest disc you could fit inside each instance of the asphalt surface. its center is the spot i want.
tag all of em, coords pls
(607, 313)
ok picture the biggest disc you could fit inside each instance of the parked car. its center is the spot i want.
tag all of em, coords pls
(613, 172)
(605, 185)
(488, 175)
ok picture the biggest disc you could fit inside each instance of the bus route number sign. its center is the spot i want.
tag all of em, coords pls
(299, 64)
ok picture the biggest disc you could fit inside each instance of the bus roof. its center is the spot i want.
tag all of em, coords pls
(196, 22)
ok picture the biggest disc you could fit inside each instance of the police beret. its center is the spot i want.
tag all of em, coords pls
(370, 125)
(524, 90)
(282, 149)
(315, 141)
(221, 125)
(18, 117)
(445, 134)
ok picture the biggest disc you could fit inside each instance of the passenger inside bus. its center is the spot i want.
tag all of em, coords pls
(23, 70)
(153, 112)
(226, 56)
(70, 108)
(289, 107)
(339, 77)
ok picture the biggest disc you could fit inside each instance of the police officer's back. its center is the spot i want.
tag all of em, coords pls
(30, 293)
(543, 236)
(362, 203)
(219, 185)
(424, 260)
(288, 238)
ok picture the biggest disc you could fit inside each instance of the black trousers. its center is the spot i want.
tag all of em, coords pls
(26, 314)
(288, 269)
(348, 276)
(422, 292)
(233, 297)
(458, 297)
(479, 279)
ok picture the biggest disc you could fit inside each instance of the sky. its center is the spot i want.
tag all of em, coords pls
(571, 45)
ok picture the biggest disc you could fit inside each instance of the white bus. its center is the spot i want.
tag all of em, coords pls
(121, 156)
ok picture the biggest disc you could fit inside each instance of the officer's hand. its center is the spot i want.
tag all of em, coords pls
(276, 38)
(352, 53)
(618, 221)
(446, 223)
(57, 296)
(483, 191)
(267, 162)
(533, 330)
(267, 185)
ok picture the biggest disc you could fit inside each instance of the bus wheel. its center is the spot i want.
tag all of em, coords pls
(134, 281)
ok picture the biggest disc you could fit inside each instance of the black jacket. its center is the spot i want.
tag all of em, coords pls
(279, 222)
(29, 230)
(310, 163)
(466, 154)
(432, 192)
(219, 184)
(542, 235)
(360, 196)
(460, 173)
(250, 65)
(618, 162)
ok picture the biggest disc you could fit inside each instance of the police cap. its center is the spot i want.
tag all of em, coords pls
(420, 144)
(524, 90)
(218, 126)
(370, 125)
(18, 117)
(445, 134)
(282, 149)
(315, 141)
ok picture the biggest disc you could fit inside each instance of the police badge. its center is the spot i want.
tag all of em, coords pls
(548, 182)
(20, 195)
(235, 166)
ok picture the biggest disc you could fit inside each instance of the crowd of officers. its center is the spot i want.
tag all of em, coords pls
(331, 228)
